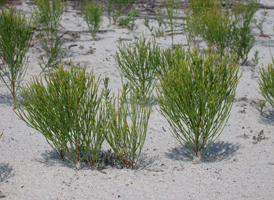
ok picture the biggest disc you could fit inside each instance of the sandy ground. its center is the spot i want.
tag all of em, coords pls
(237, 166)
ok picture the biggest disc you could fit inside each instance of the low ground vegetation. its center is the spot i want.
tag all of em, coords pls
(195, 88)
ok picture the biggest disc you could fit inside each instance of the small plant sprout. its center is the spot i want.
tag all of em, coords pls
(171, 7)
(115, 8)
(48, 15)
(15, 39)
(129, 20)
(93, 14)
(255, 61)
(157, 31)
(196, 96)
(259, 24)
(261, 106)
(68, 111)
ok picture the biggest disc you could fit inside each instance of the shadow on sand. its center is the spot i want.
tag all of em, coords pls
(6, 171)
(218, 151)
(267, 118)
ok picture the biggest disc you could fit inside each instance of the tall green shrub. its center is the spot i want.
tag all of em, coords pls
(128, 118)
(67, 111)
(196, 96)
(15, 39)
(48, 15)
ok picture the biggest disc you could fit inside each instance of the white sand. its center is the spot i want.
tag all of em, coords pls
(234, 167)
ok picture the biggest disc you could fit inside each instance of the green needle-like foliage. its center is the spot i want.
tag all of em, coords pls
(115, 8)
(67, 111)
(93, 14)
(139, 63)
(15, 38)
(48, 16)
(227, 30)
(127, 123)
(196, 96)
(266, 83)
(129, 20)
(171, 7)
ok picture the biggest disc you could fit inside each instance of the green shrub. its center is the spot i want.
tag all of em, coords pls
(48, 15)
(67, 111)
(196, 96)
(139, 63)
(266, 83)
(224, 30)
(15, 39)
(93, 14)
(243, 39)
(127, 125)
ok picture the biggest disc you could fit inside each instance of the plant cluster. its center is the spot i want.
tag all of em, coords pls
(166, 18)
(93, 14)
(15, 39)
(195, 95)
(129, 20)
(48, 15)
(195, 91)
(115, 8)
(69, 111)
(228, 30)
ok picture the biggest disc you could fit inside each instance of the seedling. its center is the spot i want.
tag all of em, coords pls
(93, 14)
(255, 61)
(261, 106)
(129, 20)
(48, 15)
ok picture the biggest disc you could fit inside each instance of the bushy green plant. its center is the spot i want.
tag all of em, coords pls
(127, 125)
(139, 63)
(196, 96)
(15, 38)
(243, 38)
(224, 30)
(67, 111)
(93, 14)
(266, 83)
(48, 15)
(129, 20)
